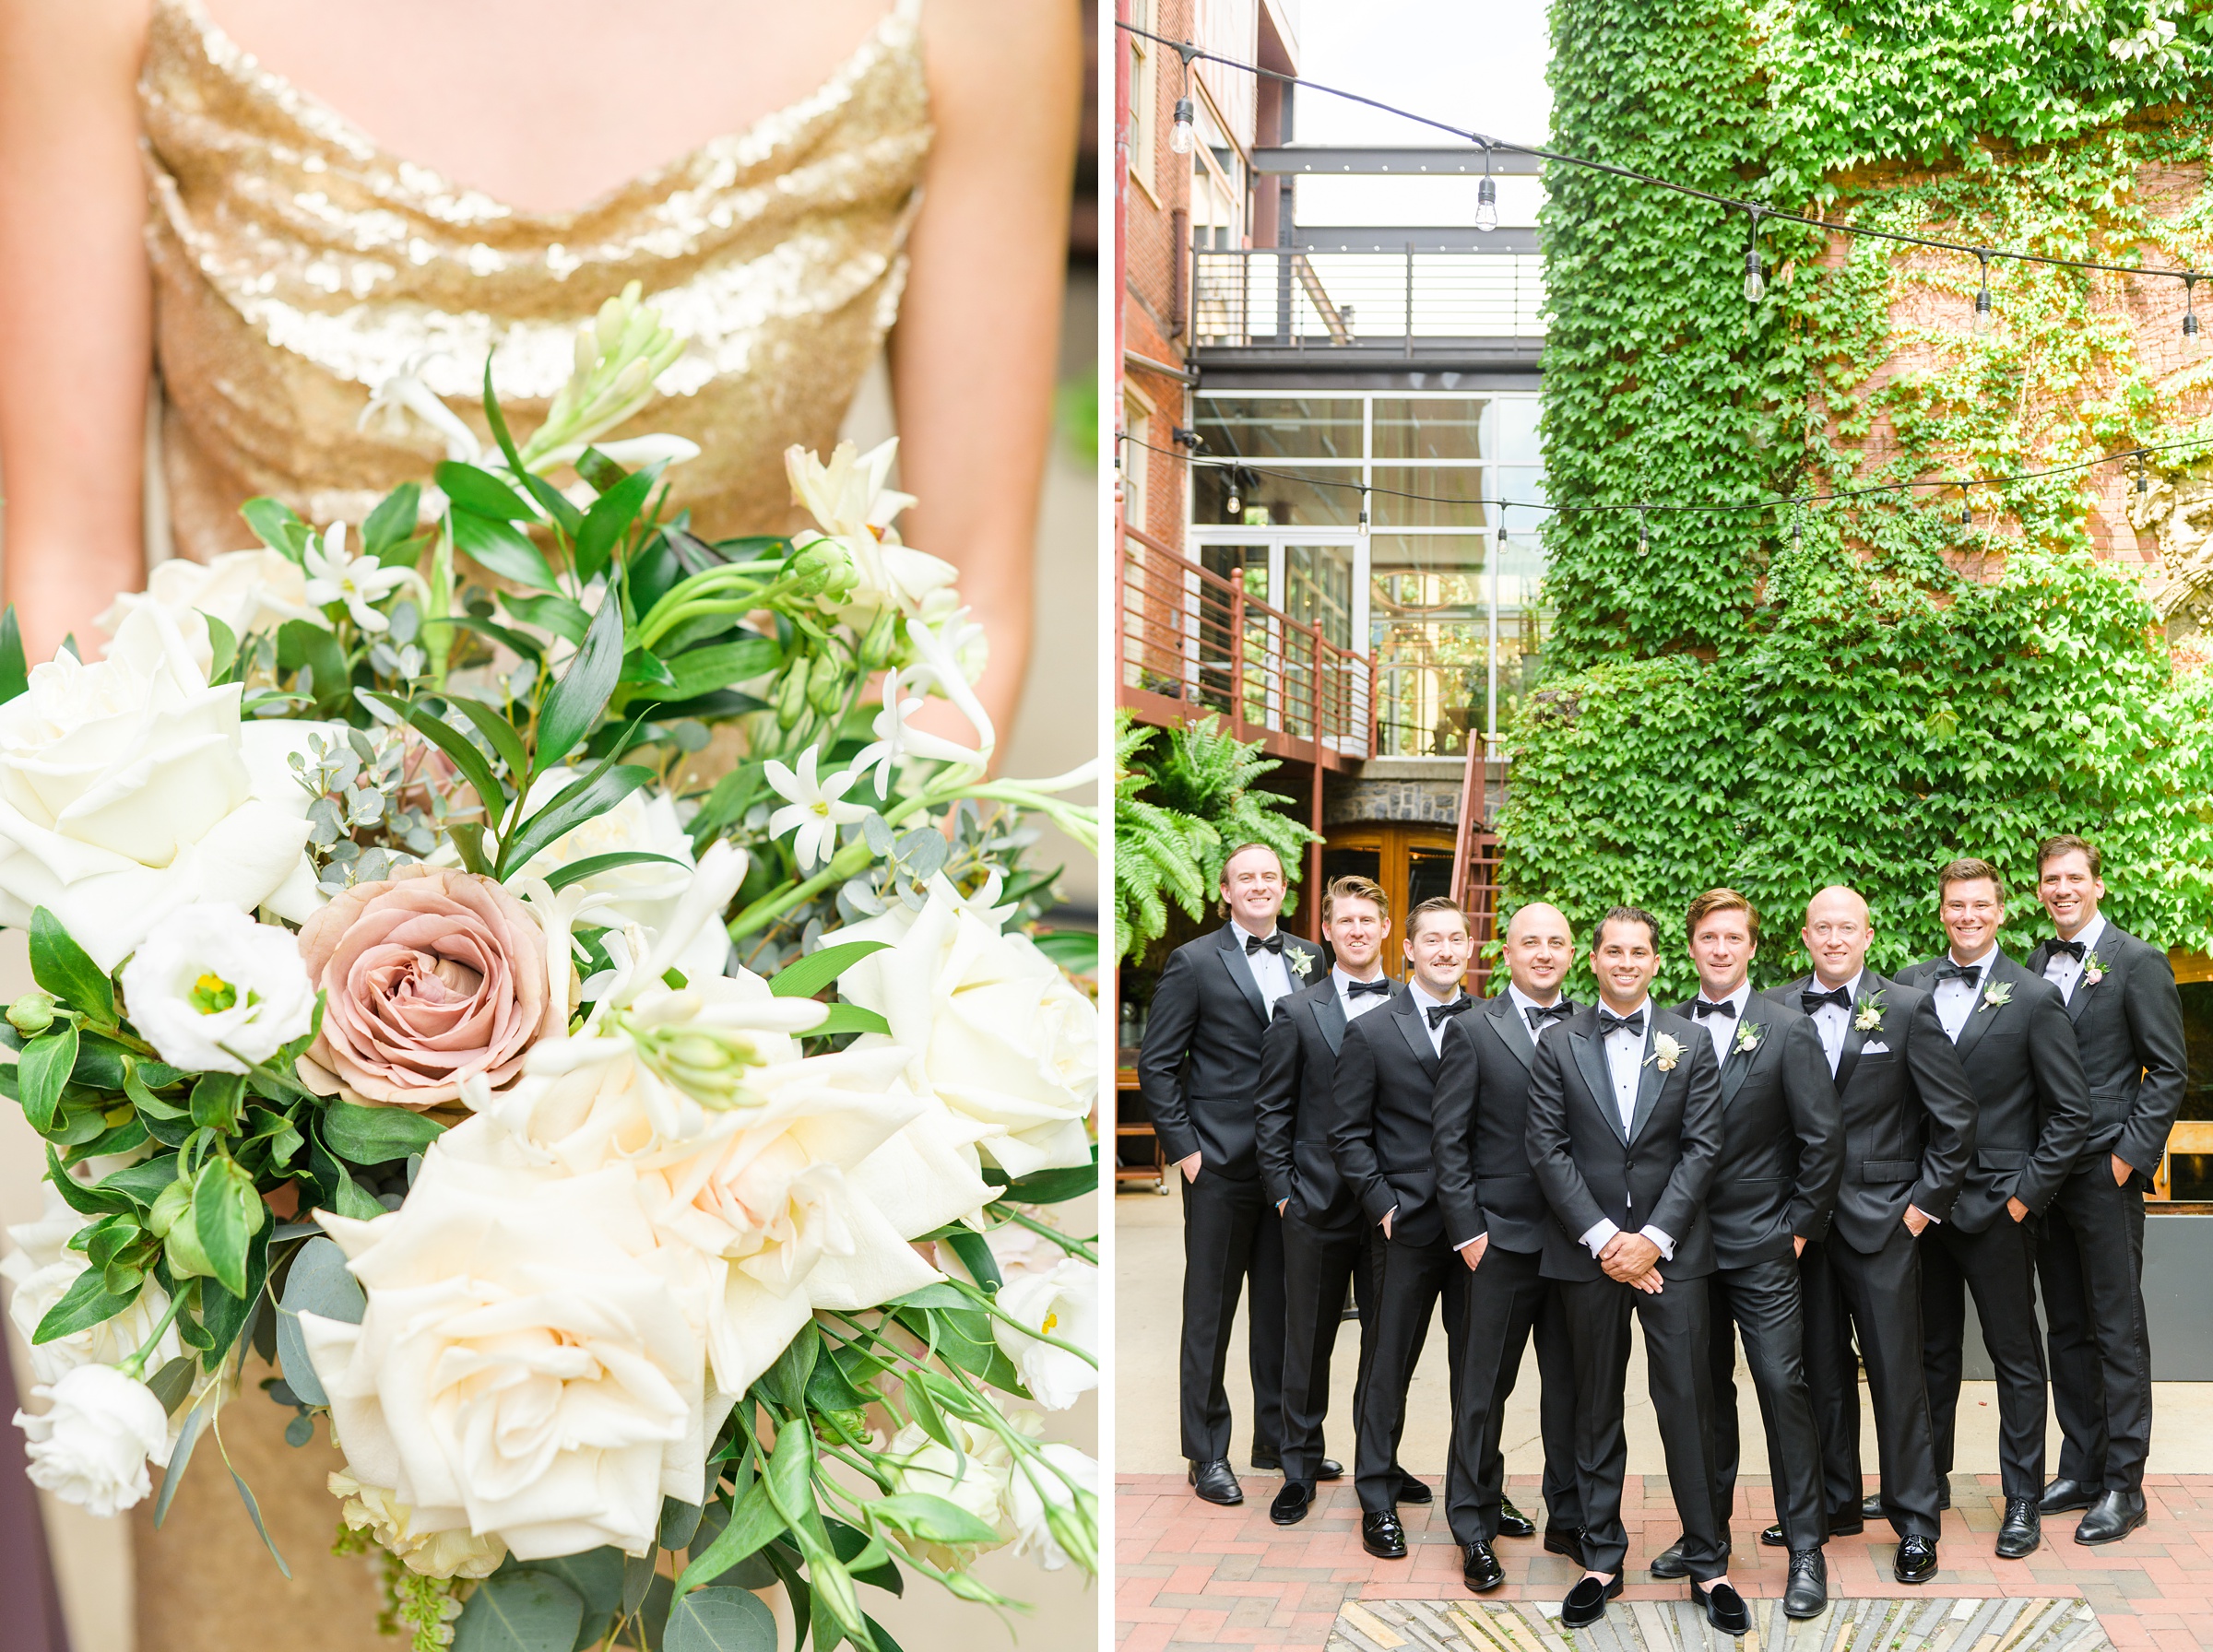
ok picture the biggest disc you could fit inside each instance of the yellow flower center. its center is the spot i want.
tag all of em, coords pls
(211, 995)
(1050, 1321)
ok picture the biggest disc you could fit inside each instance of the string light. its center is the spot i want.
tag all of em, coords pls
(1486, 196)
(2139, 459)
(1982, 295)
(1755, 285)
(1644, 532)
(1181, 136)
(1966, 508)
(2189, 306)
(1361, 527)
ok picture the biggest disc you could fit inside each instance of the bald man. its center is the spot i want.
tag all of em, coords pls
(1909, 1120)
(1495, 1220)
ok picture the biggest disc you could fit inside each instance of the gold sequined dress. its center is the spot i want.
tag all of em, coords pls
(297, 266)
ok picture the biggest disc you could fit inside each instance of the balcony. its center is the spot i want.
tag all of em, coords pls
(1193, 642)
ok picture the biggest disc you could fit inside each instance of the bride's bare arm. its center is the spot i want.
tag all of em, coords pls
(76, 314)
(974, 354)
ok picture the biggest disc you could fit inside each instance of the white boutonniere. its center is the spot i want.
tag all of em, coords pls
(1748, 1038)
(2093, 970)
(1302, 964)
(1667, 1052)
(1998, 995)
(1870, 1018)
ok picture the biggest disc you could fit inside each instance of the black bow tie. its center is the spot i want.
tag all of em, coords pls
(1958, 972)
(1701, 1009)
(2073, 948)
(1539, 1014)
(1610, 1023)
(1380, 985)
(1440, 1013)
(1274, 943)
(1810, 1000)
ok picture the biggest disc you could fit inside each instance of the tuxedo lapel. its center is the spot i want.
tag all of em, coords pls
(1329, 1015)
(1414, 1028)
(1232, 960)
(1590, 1061)
(1649, 1079)
(1849, 1058)
(1739, 1066)
(1980, 1018)
(1512, 1031)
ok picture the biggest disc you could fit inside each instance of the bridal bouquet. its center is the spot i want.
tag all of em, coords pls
(578, 1026)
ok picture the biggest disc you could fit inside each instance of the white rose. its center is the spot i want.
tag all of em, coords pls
(1034, 1491)
(91, 1445)
(976, 1482)
(525, 1367)
(1063, 1305)
(42, 1268)
(1001, 1036)
(214, 991)
(452, 1552)
(129, 788)
(247, 590)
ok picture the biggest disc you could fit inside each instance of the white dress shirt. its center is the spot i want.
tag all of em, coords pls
(1956, 999)
(2064, 971)
(1271, 973)
(1523, 1004)
(1833, 1022)
(1355, 1008)
(1721, 1028)
(1423, 1000)
(1625, 1066)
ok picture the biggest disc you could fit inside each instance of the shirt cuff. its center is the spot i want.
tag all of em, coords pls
(1465, 1243)
(1666, 1245)
(1600, 1232)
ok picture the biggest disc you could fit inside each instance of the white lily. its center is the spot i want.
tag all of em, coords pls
(846, 497)
(940, 650)
(404, 393)
(815, 807)
(332, 576)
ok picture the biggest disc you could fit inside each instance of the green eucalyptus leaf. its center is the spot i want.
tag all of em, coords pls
(524, 1610)
(720, 1619)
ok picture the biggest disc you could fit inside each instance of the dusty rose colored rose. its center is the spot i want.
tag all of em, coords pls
(430, 974)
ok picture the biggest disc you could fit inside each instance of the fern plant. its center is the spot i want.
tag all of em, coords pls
(1157, 855)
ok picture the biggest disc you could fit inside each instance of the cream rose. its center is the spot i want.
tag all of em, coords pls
(525, 1367)
(129, 788)
(42, 1267)
(91, 1444)
(247, 590)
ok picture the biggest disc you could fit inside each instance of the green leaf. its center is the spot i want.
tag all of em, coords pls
(525, 1611)
(720, 1619)
(63, 969)
(496, 729)
(277, 526)
(528, 646)
(611, 515)
(1076, 949)
(318, 1283)
(172, 1381)
(931, 1518)
(501, 548)
(179, 1459)
(595, 1576)
(702, 671)
(557, 614)
(456, 746)
(86, 1302)
(304, 643)
(84, 1200)
(481, 492)
(377, 1135)
(584, 800)
(218, 1101)
(849, 1018)
(14, 673)
(975, 1252)
(1055, 1187)
(819, 968)
(754, 1524)
(225, 1213)
(642, 665)
(591, 866)
(679, 1521)
(786, 1380)
(578, 698)
(392, 524)
(468, 843)
(245, 1495)
(41, 1070)
(354, 1200)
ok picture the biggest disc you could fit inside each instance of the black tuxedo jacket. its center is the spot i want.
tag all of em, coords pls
(1655, 1174)
(1782, 1136)
(1909, 1115)
(2128, 1026)
(1380, 1131)
(1202, 1055)
(2032, 1106)
(1298, 1075)
(1481, 1107)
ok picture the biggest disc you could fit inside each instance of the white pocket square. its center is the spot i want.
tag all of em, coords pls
(1875, 1046)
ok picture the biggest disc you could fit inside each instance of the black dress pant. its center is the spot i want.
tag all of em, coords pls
(1319, 1263)
(1675, 1329)
(1231, 1233)
(1414, 1277)
(1509, 1300)
(1999, 1266)
(1876, 1297)
(2090, 1258)
(1762, 1303)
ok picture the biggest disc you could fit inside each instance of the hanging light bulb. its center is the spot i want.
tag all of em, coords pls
(1181, 138)
(1361, 527)
(1966, 507)
(2143, 471)
(1797, 528)
(1236, 505)
(1983, 297)
(1486, 196)
(1644, 533)
(2189, 306)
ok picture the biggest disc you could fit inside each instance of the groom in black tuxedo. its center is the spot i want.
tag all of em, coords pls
(2128, 1024)
(1625, 1127)
(1197, 1072)
(2032, 1115)
(1385, 1149)
(1782, 1155)
(1909, 1122)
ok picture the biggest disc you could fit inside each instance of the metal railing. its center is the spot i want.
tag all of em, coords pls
(1406, 299)
(1193, 642)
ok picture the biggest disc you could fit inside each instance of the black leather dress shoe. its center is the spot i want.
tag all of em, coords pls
(1807, 1592)
(1216, 1483)
(1330, 1469)
(1842, 1523)
(1480, 1567)
(1414, 1489)
(2062, 1494)
(1916, 1560)
(1725, 1609)
(1513, 1522)
(1382, 1536)
(1292, 1503)
(1669, 1563)
(2112, 1517)
(1586, 1602)
(2022, 1530)
(1565, 1539)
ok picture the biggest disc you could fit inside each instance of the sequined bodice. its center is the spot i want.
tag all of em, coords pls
(297, 266)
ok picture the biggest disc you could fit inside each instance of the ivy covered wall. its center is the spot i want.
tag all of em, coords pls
(1858, 692)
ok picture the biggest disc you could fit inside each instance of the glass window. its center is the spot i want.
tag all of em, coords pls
(1270, 427)
(1515, 431)
(1266, 501)
(1446, 497)
(1317, 589)
(1428, 429)
(2190, 1175)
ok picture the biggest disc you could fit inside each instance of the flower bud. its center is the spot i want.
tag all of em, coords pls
(882, 638)
(32, 1014)
(826, 686)
(706, 1062)
(791, 694)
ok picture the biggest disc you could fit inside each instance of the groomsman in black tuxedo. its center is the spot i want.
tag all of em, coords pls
(1909, 1132)
(1495, 1218)
(2128, 1023)
(1328, 1243)
(1782, 1155)
(2032, 1115)
(1385, 1147)
(1198, 1073)
(1625, 1127)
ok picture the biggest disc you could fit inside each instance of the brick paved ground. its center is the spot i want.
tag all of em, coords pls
(1189, 1575)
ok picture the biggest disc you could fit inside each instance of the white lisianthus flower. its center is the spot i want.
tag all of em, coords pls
(91, 1444)
(1063, 1305)
(42, 1267)
(849, 501)
(525, 1367)
(975, 1483)
(453, 1552)
(814, 809)
(247, 590)
(1001, 1037)
(1034, 1491)
(129, 787)
(216, 992)
(358, 582)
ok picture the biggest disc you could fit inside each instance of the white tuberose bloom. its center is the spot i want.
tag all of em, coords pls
(216, 992)
(1063, 1305)
(814, 811)
(91, 1445)
(848, 499)
(357, 582)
